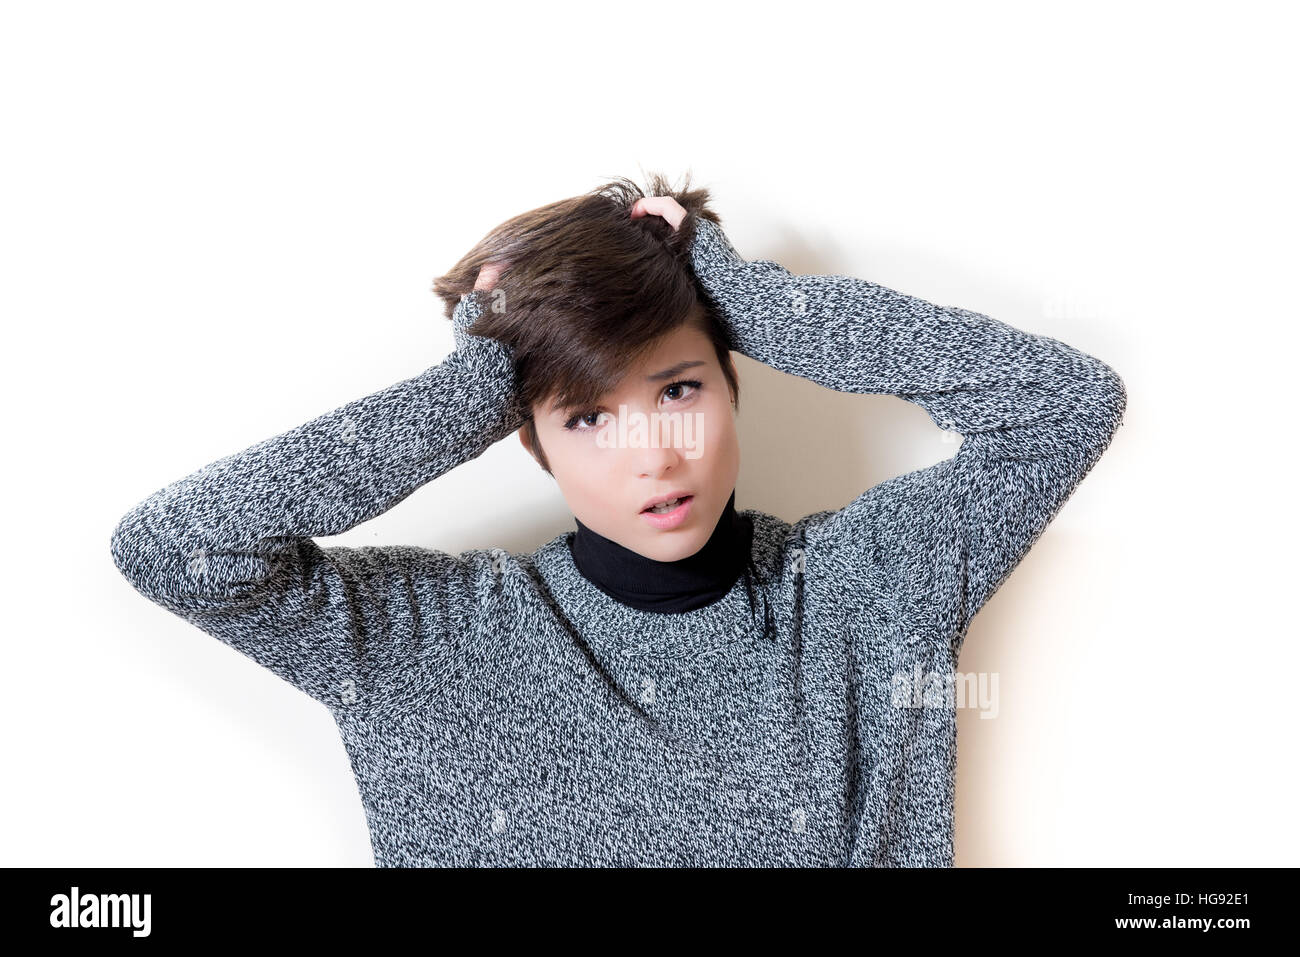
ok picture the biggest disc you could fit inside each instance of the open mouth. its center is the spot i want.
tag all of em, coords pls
(666, 516)
(668, 506)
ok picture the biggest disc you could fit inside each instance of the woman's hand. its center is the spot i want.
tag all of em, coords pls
(664, 206)
(487, 275)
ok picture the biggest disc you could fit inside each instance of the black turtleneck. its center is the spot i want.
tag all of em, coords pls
(683, 585)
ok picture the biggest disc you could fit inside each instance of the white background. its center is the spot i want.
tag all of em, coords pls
(221, 220)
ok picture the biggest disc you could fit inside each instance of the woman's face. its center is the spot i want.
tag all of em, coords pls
(668, 428)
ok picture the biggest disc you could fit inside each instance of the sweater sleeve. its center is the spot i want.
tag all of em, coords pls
(1034, 414)
(229, 548)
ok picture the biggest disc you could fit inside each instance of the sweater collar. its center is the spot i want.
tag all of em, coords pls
(683, 585)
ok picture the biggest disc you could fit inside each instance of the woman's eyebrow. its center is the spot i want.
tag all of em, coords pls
(670, 373)
(676, 370)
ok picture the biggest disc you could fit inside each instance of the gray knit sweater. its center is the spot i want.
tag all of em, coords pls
(499, 709)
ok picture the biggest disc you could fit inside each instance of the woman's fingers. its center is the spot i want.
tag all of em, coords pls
(487, 275)
(664, 206)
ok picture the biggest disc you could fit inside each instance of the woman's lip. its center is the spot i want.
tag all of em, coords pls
(671, 519)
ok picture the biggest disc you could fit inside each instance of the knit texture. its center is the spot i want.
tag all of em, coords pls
(500, 709)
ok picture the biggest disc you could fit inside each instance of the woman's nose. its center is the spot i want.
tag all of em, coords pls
(657, 447)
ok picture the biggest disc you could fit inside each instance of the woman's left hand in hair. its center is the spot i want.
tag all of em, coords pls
(664, 206)
(488, 274)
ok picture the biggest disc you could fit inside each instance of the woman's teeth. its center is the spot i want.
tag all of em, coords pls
(665, 507)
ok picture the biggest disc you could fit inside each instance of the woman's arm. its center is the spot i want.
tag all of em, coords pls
(1035, 414)
(229, 547)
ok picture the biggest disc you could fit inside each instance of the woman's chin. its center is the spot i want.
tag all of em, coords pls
(671, 546)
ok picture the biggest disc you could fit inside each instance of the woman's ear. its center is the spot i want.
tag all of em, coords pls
(539, 459)
(523, 440)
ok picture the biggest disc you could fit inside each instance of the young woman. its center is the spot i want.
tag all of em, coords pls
(685, 684)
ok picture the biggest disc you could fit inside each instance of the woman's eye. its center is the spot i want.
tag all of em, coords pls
(590, 421)
(684, 384)
(573, 423)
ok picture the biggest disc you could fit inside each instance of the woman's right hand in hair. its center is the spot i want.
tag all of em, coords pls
(664, 206)
(487, 276)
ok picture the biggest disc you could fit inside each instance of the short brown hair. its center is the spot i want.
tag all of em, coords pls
(587, 291)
